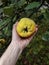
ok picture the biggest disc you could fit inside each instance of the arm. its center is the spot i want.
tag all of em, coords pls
(15, 48)
(11, 55)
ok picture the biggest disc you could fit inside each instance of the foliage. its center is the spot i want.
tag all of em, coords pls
(32, 5)
(37, 52)
(46, 36)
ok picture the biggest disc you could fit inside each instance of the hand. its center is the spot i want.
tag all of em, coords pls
(20, 41)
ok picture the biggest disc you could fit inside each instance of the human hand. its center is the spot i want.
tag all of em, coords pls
(20, 41)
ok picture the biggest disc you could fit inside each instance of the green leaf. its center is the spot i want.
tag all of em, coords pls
(1, 10)
(45, 37)
(1, 3)
(7, 31)
(21, 3)
(9, 10)
(32, 5)
(46, 15)
(28, 13)
(14, 19)
(4, 22)
(13, 1)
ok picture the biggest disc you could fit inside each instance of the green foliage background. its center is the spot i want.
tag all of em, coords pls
(37, 52)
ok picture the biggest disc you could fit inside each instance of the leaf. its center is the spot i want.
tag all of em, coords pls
(28, 13)
(21, 3)
(1, 3)
(46, 15)
(13, 1)
(45, 37)
(32, 5)
(4, 23)
(7, 31)
(14, 19)
(1, 10)
(9, 10)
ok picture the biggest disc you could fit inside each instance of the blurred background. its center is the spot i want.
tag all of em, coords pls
(37, 52)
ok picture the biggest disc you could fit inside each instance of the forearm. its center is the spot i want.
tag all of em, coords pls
(11, 54)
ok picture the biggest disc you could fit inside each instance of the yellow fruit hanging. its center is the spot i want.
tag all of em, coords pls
(2, 41)
(26, 27)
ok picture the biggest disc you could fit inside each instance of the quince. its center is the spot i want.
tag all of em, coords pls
(26, 27)
(2, 41)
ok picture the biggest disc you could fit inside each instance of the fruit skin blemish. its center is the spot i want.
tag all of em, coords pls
(25, 27)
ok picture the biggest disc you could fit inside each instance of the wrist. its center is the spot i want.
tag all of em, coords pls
(16, 44)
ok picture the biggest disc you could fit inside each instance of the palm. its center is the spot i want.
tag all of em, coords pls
(22, 42)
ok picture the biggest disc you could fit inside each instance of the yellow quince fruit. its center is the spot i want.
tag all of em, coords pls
(26, 27)
(2, 40)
